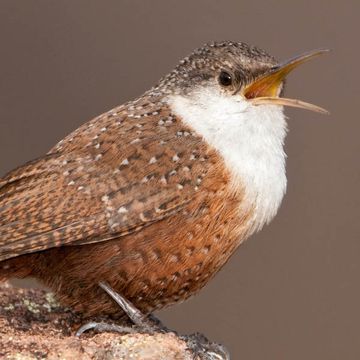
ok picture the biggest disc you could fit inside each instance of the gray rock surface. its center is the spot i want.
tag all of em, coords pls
(34, 326)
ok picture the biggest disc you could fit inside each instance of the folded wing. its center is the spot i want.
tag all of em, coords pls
(106, 180)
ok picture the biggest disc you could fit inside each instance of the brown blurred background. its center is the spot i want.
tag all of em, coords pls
(292, 291)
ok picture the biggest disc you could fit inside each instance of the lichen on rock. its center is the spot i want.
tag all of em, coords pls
(34, 326)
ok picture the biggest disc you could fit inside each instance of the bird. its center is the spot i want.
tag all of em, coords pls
(154, 196)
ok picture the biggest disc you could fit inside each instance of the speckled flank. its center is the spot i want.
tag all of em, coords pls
(158, 265)
(176, 182)
(134, 197)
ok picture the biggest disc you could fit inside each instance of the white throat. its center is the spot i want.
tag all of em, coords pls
(249, 138)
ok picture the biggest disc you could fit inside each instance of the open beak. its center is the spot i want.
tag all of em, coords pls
(266, 88)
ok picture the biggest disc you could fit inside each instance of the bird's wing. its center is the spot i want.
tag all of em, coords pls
(111, 177)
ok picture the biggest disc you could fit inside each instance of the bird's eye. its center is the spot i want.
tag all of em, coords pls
(225, 78)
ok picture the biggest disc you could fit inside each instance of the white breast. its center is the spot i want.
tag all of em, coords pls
(249, 138)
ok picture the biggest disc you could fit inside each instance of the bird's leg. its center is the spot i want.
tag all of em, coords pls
(200, 346)
(143, 323)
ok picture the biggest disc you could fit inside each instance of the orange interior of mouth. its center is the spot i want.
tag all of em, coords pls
(267, 88)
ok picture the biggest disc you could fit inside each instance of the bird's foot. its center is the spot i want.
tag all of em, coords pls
(142, 323)
(105, 327)
(197, 343)
(204, 349)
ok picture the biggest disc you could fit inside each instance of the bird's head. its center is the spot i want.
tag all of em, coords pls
(236, 70)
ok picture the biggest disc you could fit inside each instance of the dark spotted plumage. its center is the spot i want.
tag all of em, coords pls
(244, 62)
(133, 197)
(111, 177)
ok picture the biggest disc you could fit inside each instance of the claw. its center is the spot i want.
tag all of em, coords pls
(205, 349)
(86, 327)
(102, 327)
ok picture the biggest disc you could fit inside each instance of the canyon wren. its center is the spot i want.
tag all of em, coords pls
(154, 196)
